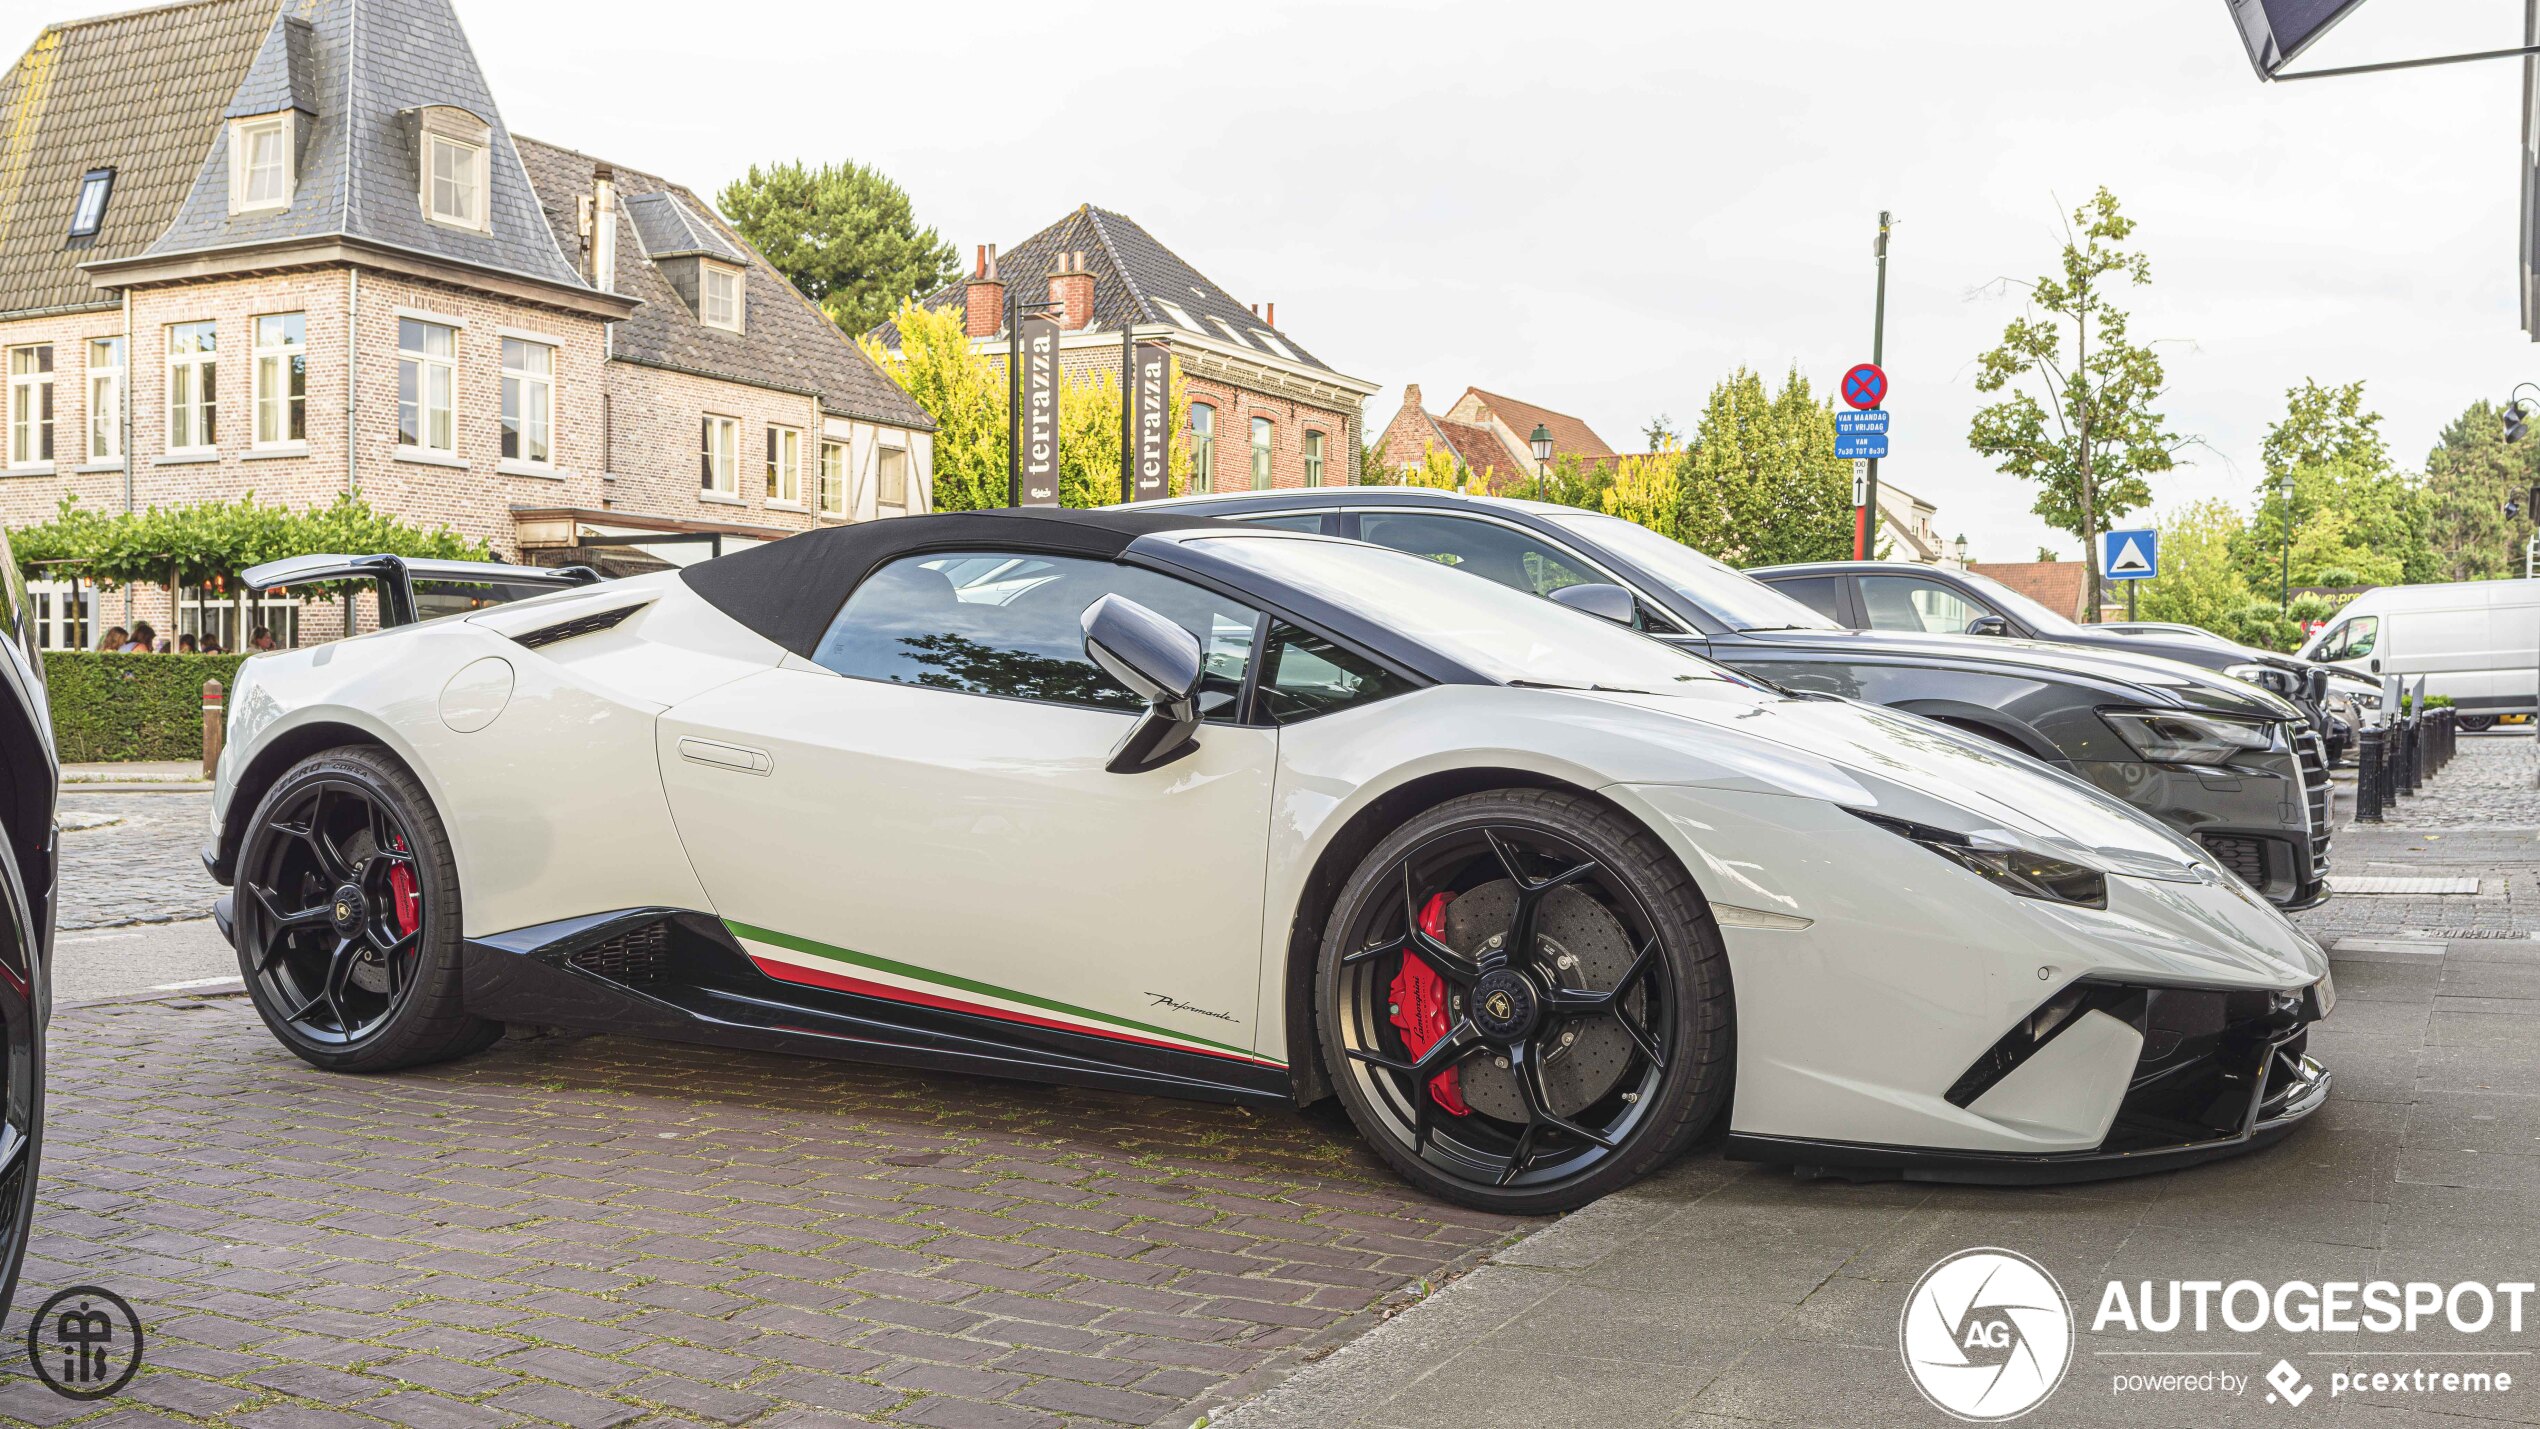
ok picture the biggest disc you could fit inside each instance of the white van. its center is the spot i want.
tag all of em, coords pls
(2476, 641)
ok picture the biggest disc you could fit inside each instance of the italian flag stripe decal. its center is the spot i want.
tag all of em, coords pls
(804, 960)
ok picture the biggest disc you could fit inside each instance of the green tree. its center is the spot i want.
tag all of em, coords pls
(210, 543)
(2329, 480)
(2098, 434)
(845, 234)
(2199, 584)
(2469, 476)
(1762, 484)
(963, 393)
(1647, 490)
(1438, 468)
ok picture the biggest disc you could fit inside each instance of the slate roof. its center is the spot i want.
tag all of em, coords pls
(370, 64)
(789, 343)
(1133, 273)
(140, 93)
(1570, 436)
(671, 229)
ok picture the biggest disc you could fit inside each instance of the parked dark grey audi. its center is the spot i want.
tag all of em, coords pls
(2236, 768)
(1934, 600)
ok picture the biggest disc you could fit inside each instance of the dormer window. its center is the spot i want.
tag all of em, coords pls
(90, 214)
(719, 296)
(455, 190)
(260, 163)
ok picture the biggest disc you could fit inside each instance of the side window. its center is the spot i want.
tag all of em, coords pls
(1818, 593)
(1310, 522)
(2353, 640)
(1483, 548)
(1912, 603)
(1006, 623)
(1307, 675)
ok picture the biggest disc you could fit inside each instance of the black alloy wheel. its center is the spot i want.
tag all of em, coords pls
(2478, 724)
(348, 918)
(1524, 1003)
(24, 1002)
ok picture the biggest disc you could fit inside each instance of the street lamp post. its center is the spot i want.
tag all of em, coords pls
(1962, 550)
(1541, 440)
(2285, 586)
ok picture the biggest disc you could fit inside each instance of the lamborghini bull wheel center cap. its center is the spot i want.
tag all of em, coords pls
(1504, 1005)
(346, 909)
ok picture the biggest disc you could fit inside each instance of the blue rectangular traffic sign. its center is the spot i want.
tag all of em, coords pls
(1873, 420)
(1852, 445)
(2129, 555)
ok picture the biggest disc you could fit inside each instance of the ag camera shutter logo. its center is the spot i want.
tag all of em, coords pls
(1986, 1335)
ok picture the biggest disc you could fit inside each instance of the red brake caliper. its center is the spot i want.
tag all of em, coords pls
(408, 896)
(1419, 1007)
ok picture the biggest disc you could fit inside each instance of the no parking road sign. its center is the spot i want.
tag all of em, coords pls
(2129, 555)
(1864, 386)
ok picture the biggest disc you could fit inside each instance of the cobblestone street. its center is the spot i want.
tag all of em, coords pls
(133, 858)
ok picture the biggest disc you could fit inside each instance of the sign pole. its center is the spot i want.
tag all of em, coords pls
(1866, 530)
(1013, 398)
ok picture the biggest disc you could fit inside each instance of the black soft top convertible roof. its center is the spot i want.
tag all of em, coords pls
(790, 590)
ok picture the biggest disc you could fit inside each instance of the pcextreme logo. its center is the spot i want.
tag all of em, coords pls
(1987, 1334)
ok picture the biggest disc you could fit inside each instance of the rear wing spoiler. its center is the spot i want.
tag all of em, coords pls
(397, 577)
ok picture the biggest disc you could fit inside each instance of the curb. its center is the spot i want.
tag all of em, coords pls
(232, 987)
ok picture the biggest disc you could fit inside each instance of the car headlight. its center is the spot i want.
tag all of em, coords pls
(2005, 863)
(2191, 736)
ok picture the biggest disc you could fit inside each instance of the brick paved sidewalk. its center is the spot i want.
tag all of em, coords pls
(600, 1231)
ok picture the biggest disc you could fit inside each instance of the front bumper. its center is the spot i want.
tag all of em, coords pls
(2207, 1085)
(2266, 819)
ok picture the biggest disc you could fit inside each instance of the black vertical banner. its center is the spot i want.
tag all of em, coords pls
(1146, 416)
(1038, 423)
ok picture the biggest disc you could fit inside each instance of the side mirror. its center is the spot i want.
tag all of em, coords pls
(1161, 663)
(1605, 602)
(1988, 625)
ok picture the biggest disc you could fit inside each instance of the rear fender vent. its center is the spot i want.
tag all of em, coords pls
(591, 624)
(640, 958)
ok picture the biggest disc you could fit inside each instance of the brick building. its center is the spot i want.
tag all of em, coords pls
(1264, 411)
(292, 249)
(1490, 435)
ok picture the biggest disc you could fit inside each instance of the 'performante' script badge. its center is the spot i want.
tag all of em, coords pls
(1987, 1334)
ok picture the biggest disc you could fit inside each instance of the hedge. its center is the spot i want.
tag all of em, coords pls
(131, 706)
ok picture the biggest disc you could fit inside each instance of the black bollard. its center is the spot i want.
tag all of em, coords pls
(2368, 776)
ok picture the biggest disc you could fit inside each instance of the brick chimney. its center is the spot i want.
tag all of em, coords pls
(1072, 289)
(983, 297)
(1411, 397)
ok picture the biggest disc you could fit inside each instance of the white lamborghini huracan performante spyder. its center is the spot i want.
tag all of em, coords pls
(1149, 802)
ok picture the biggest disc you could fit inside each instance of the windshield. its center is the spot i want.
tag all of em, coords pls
(1733, 598)
(2010, 602)
(1509, 635)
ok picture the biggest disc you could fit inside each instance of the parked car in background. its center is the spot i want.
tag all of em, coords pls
(2229, 764)
(1140, 801)
(30, 781)
(1937, 600)
(2475, 641)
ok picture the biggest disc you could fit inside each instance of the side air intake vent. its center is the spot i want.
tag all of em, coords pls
(637, 959)
(591, 624)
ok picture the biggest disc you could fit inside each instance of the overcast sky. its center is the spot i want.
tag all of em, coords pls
(1603, 208)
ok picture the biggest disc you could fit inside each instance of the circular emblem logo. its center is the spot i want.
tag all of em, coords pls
(85, 1343)
(348, 908)
(1503, 1004)
(1987, 1334)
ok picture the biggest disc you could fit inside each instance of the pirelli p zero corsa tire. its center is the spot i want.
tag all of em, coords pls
(1523, 1001)
(347, 915)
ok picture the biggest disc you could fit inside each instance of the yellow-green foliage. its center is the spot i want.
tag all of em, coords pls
(1648, 490)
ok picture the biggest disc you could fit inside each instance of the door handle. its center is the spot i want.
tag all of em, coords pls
(738, 758)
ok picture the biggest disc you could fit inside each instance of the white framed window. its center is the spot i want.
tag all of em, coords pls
(89, 214)
(427, 376)
(1314, 458)
(1203, 448)
(453, 181)
(105, 399)
(226, 621)
(719, 296)
(529, 401)
(193, 387)
(1271, 341)
(1174, 311)
(31, 405)
(785, 465)
(281, 378)
(65, 613)
(260, 163)
(1229, 330)
(890, 480)
(1261, 453)
(719, 471)
(833, 478)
